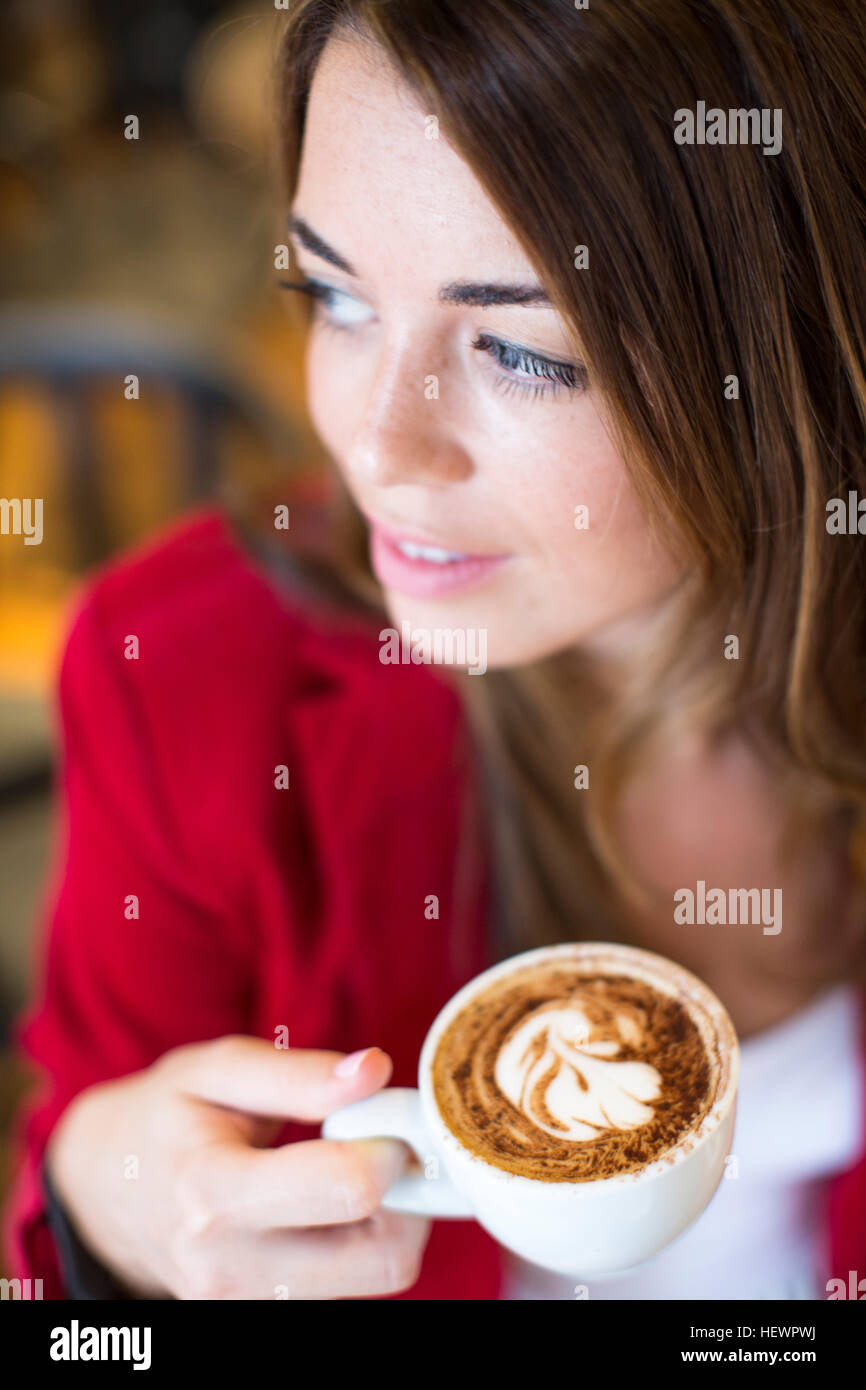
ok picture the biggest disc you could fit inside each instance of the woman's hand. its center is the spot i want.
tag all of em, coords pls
(167, 1178)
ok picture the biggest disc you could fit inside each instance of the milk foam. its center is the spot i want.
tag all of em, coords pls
(570, 1086)
(580, 1063)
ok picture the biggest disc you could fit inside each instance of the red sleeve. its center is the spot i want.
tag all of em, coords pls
(115, 989)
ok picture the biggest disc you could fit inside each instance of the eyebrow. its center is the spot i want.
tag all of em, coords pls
(479, 294)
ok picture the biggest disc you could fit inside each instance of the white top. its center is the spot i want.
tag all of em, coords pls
(800, 1118)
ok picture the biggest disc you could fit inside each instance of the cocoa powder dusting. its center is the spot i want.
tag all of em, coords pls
(646, 1025)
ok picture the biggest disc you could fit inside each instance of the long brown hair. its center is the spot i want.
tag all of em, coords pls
(704, 264)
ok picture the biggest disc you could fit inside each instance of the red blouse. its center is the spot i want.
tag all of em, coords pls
(260, 908)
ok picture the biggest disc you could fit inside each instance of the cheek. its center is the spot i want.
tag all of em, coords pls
(567, 480)
(587, 525)
(330, 393)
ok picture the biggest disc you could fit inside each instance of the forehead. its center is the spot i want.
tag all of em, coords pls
(382, 192)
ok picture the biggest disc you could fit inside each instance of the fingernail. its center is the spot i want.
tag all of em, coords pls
(350, 1064)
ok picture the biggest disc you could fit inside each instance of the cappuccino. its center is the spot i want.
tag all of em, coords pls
(588, 1063)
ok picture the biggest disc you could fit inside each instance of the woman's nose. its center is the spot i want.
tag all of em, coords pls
(407, 433)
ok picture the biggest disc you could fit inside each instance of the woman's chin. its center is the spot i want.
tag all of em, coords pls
(440, 634)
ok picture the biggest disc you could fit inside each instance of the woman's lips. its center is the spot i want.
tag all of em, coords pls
(421, 576)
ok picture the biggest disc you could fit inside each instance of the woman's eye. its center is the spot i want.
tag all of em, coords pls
(529, 373)
(336, 307)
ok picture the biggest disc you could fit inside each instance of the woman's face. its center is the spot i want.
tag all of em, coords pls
(449, 392)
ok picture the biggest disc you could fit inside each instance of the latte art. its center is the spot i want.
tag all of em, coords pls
(567, 1084)
(567, 1070)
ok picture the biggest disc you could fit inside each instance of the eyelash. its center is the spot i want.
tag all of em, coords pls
(556, 376)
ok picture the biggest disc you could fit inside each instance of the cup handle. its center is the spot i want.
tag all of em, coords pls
(395, 1113)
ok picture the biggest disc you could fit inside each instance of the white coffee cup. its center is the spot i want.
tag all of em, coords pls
(573, 1228)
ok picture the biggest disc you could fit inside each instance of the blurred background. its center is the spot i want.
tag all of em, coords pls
(150, 257)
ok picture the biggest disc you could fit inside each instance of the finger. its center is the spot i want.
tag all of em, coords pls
(368, 1259)
(371, 1258)
(251, 1075)
(317, 1182)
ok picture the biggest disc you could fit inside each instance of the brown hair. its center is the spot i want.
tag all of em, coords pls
(703, 263)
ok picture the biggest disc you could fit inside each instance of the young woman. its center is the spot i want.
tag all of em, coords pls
(588, 352)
